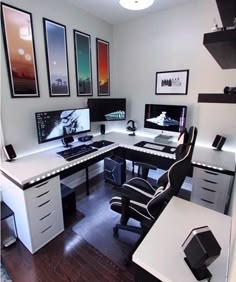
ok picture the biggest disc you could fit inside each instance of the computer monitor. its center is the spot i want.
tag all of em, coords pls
(165, 117)
(107, 109)
(57, 124)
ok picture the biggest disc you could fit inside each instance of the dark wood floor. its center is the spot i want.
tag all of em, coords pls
(66, 258)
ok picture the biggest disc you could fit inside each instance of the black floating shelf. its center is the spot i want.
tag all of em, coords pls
(222, 46)
(217, 98)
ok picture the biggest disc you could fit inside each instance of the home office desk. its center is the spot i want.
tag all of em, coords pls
(31, 184)
(161, 254)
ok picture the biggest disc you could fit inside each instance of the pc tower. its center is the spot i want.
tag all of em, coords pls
(114, 170)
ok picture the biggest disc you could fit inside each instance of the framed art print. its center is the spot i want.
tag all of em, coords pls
(57, 61)
(172, 82)
(103, 68)
(83, 66)
(20, 52)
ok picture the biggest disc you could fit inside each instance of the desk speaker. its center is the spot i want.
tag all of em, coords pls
(102, 128)
(9, 152)
(218, 142)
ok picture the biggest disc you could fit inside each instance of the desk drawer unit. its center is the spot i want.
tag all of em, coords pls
(211, 189)
(38, 211)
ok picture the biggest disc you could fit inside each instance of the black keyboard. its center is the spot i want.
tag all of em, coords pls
(76, 152)
(101, 144)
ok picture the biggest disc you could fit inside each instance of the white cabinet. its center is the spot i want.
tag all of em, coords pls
(211, 189)
(38, 211)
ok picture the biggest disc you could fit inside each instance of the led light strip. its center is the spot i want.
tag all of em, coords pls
(209, 166)
(92, 156)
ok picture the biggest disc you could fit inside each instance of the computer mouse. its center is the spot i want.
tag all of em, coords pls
(172, 149)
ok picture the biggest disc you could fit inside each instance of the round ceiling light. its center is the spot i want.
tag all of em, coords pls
(136, 4)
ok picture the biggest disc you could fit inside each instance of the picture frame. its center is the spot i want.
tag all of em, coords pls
(57, 58)
(18, 38)
(83, 63)
(103, 67)
(172, 82)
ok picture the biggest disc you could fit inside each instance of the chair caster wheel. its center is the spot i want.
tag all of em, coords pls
(115, 231)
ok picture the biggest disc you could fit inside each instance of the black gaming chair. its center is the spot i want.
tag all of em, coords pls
(139, 200)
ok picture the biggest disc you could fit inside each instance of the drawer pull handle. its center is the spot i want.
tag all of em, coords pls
(45, 216)
(213, 182)
(44, 183)
(42, 194)
(209, 172)
(44, 203)
(207, 201)
(46, 229)
(208, 189)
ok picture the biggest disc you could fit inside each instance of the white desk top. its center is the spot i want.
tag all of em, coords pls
(161, 254)
(44, 164)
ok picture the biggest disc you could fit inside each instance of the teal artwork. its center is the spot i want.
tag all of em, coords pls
(83, 63)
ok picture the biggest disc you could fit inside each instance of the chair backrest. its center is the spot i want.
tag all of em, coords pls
(171, 181)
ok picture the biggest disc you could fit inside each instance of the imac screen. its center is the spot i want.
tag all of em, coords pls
(105, 109)
(56, 124)
(165, 117)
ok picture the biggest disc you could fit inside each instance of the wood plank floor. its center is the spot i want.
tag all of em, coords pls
(66, 258)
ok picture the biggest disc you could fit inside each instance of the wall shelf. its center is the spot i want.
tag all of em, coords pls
(217, 98)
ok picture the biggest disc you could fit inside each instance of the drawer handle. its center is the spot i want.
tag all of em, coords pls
(42, 194)
(46, 216)
(208, 189)
(44, 183)
(46, 229)
(213, 182)
(44, 203)
(207, 201)
(209, 172)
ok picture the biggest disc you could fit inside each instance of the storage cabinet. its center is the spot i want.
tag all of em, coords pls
(38, 211)
(211, 189)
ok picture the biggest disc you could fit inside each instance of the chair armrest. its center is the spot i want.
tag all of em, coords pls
(133, 190)
(145, 165)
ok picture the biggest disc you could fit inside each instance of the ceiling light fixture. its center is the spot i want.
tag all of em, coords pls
(136, 4)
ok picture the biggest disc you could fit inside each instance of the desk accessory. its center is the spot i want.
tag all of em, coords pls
(85, 138)
(218, 142)
(102, 128)
(131, 128)
(9, 152)
(201, 249)
(67, 140)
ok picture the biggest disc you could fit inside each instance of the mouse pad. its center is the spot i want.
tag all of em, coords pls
(154, 146)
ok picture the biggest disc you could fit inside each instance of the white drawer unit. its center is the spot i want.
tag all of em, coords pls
(38, 211)
(211, 189)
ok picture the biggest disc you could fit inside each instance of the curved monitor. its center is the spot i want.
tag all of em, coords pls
(165, 117)
(107, 109)
(57, 124)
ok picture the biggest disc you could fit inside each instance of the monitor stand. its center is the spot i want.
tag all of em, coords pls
(163, 139)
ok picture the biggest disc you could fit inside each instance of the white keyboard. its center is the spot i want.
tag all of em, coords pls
(153, 146)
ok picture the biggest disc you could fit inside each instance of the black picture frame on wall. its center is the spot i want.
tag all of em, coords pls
(103, 67)
(172, 82)
(83, 63)
(57, 58)
(18, 38)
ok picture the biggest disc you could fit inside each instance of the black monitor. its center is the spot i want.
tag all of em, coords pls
(165, 117)
(107, 109)
(57, 124)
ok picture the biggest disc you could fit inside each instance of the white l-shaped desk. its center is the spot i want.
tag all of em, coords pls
(31, 184)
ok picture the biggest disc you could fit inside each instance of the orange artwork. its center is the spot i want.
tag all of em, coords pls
(103, 67)
(20, 52)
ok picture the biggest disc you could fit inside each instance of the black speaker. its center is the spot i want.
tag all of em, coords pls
(102, 128)
(67, 140)
(218, 142)
(201, 249)
(9, 152)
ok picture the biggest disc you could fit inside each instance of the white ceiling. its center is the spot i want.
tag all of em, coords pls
(113, 13)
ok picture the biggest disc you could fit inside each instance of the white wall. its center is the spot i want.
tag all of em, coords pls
(18, 119)
(173, 40)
